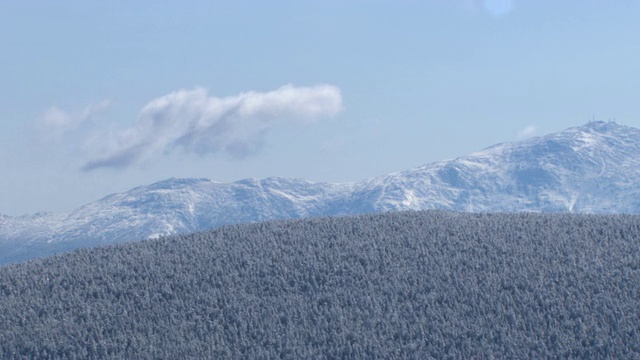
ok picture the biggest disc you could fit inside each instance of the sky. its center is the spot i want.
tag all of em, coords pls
(100, 97)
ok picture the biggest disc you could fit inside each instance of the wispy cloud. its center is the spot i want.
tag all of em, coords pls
(196, 122)
(55, 122)
(527, 132)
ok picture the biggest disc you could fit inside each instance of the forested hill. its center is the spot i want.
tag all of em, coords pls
(593, 168)
(394, 285)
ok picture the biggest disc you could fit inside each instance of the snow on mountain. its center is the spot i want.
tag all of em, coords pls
(592, 168)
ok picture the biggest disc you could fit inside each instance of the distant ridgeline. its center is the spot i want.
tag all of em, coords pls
(591, 169)
(394, 285)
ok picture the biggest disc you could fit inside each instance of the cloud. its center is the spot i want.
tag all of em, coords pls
(527, 132)
(195, 122)
(55, 122)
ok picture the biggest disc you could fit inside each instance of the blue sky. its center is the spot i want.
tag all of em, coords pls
(99, 97)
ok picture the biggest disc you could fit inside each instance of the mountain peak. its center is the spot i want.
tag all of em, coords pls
(603, 127)
(176, 183)
(592, 168)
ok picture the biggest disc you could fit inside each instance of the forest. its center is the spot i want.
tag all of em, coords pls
(428, 285)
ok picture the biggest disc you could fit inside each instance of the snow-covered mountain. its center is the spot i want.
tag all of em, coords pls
(594, 168)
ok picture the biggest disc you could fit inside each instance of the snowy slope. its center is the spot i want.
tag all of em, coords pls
(593, 168)
(163, 208)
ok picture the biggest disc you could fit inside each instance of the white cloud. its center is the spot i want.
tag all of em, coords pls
(527, 132)
(56, 118)
(55, 122)
(196, 122)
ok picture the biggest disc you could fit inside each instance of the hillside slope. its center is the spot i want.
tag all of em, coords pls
(592, 168)
(394, 285)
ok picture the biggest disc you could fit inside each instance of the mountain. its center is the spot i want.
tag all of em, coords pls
(587, 169)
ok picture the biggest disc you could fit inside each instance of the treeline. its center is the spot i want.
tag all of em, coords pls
(396, 285)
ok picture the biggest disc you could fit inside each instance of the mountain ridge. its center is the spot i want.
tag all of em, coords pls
(587, 169)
